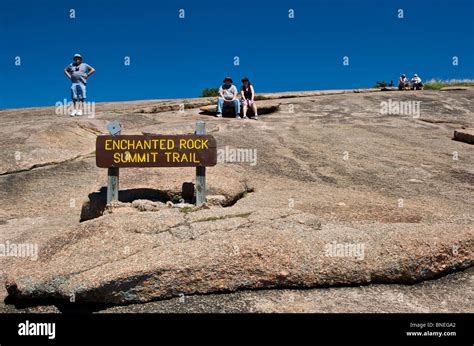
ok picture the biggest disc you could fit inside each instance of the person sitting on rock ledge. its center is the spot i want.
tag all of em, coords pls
(228, 96)
(403, 82)
(416, 83)
(248, 95)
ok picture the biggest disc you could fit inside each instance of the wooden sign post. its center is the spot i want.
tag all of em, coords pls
(112, 184)
(201, 170)
(197, 150)
(115, 128)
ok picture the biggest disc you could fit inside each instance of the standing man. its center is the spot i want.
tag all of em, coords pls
(78, 72)
(228, 95)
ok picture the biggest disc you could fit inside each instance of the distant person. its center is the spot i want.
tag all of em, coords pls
(78, 72)
(248, 94)
(416, 83)
(403, 82)
(228, 96)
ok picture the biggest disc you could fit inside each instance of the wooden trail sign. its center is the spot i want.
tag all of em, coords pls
(116, 150)
(156, 151)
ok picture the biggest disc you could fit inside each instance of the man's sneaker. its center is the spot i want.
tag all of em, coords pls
(219, 115)
(255, 117)
(79, 112)
(73, 113)
(238, 116)
(245, 117)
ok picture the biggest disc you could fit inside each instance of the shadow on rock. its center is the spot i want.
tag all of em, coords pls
(64, 306)
(97, 202)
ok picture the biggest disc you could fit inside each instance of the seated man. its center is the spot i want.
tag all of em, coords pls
(228, 96)
(416, 83)
(403, 82)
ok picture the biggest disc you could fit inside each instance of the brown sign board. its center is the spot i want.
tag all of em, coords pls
(156, 151)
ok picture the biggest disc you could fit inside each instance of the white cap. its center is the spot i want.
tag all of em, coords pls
(77, 56)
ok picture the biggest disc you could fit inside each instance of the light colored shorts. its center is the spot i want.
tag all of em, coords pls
(247, 103)
(78, 91)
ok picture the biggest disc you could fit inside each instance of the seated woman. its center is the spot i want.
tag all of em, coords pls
(248, 94)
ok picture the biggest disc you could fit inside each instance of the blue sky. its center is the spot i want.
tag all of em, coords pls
(172, 57)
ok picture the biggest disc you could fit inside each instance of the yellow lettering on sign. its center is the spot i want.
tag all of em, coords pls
(135, 157)
(116, 157)
(181, 157)
(126, 149)
(193, 144)
(118, 144)
(107, 144)
(193, 155)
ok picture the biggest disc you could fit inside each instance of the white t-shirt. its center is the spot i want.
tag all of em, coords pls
(228, 91)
